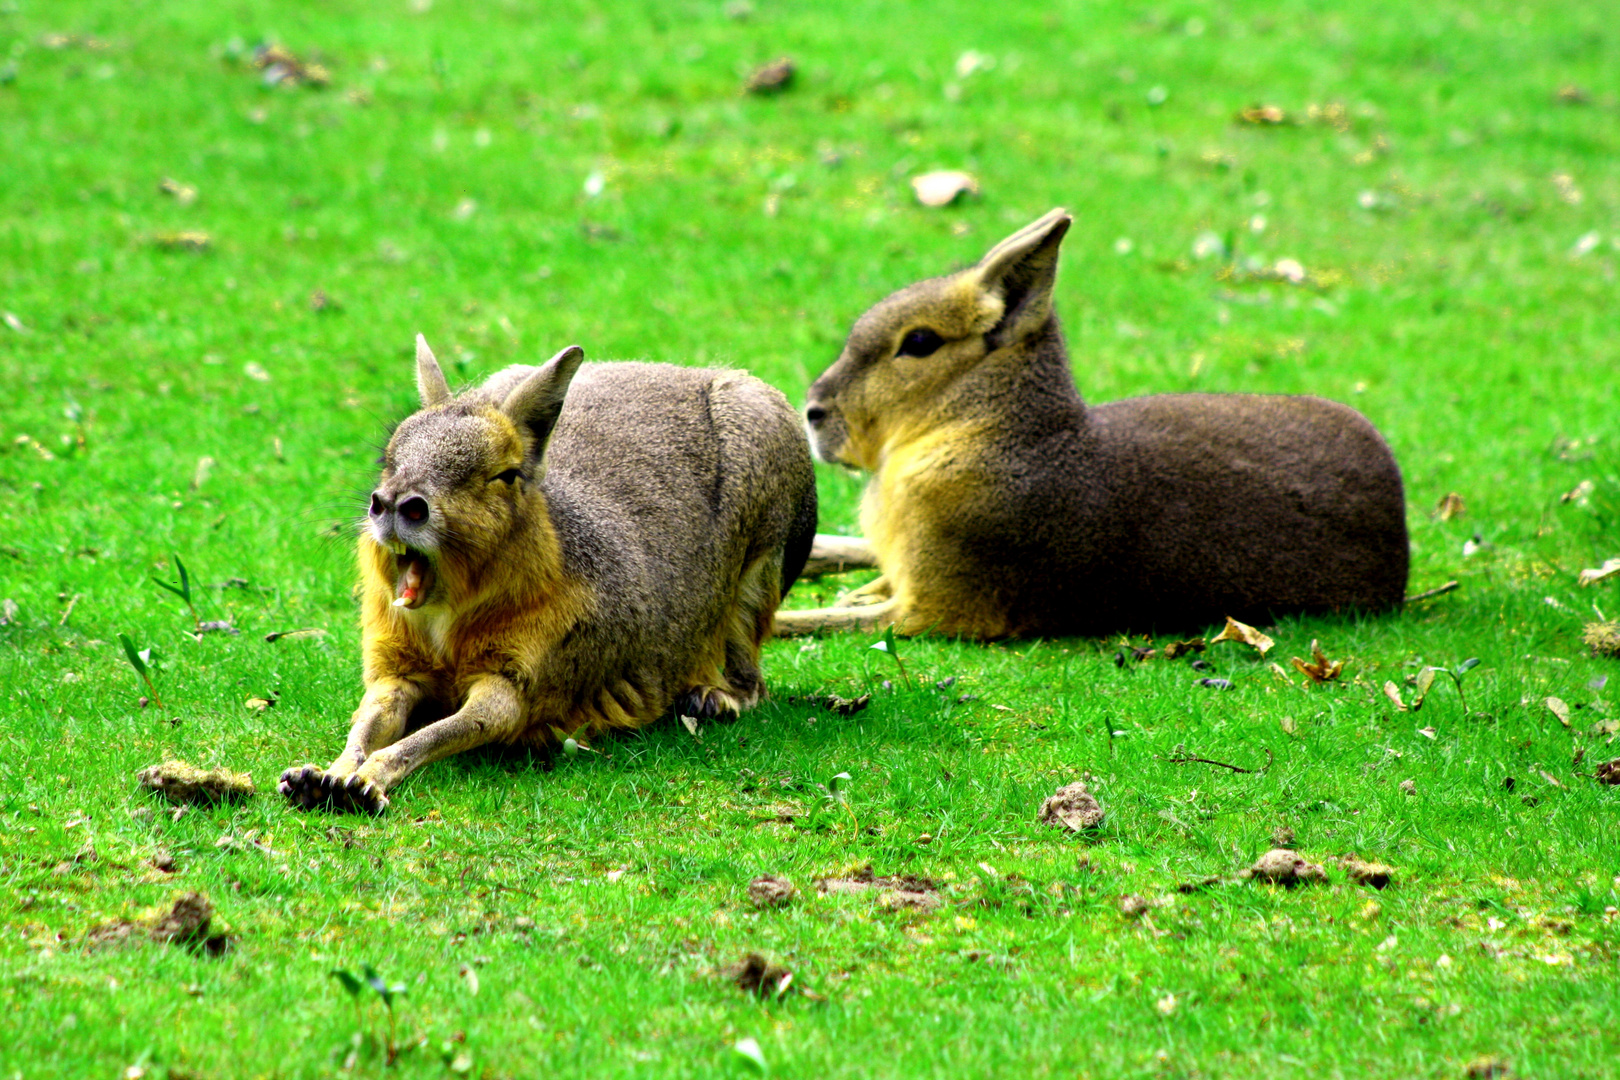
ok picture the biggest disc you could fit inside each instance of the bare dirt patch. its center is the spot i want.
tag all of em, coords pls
(187, 923)
(1376, 874)
(904, 892)
(767, 891)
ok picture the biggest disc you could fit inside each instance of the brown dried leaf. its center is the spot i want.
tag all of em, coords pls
(1248, 635)
(1184, 648)
(1450, 506)
(1393, 692)
(943, 187)
(1321, 670)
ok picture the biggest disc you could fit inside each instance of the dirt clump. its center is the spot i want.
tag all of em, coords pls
(767, 891)
(903, 892)
(1134, 907)
(1376, 874)
(180, 782)
(1282, 837)
(1603, 638)
(187, 923)
(1488, 1068)
(1073, 807)
(1281, 866)
(1609, 772)
(756, 975)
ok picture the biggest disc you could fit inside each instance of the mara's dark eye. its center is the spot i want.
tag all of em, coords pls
(920, 342)
(510, 476)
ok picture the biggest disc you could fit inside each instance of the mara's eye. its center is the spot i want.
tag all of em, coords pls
(510, 476)
(920, 342)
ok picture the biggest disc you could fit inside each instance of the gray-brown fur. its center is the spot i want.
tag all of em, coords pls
(587, 550)
(1001, 505)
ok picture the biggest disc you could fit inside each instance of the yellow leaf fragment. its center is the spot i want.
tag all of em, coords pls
(1393, 692)
(1451, 506)
(1320, 670)
(1248, 635)
(1557, 707)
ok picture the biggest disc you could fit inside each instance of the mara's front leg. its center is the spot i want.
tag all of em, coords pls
(494, 713)
(379, 721)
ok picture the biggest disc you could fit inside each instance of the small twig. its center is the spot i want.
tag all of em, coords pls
(1188, 759)
(1439, 590)
(63, 620)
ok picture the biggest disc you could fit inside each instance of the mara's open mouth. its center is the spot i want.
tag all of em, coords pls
(413, 576)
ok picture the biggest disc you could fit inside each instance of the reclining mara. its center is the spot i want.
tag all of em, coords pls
(1001, 505)
(562, 551)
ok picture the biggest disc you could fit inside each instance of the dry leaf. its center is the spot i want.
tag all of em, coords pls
(280, 67)
(773, 78)
(1425, 680)
(258, 704)
(1248, 635)
(690, 724)
(1578, 493)
(1321, 670)
(1262, 115)
(1288, 725)
(1427, 732)
(1451, 506)
(184, 194)
(1182, 648)
(1602, 573)
(1393, 692)
(186, 240)
(1558, 709)
(942, 188)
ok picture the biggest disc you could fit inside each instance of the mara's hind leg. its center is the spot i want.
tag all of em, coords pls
(730, 681)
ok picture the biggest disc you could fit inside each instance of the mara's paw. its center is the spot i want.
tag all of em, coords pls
(309, 787)
(709, 703)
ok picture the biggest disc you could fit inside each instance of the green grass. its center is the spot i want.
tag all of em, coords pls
(438, 185)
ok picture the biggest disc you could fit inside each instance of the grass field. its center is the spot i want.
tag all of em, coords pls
(510, 178)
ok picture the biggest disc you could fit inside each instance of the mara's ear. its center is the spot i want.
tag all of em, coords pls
(1020, 272)
(536, 402)
(430, 384)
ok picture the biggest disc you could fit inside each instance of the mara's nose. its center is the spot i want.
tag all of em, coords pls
(378, 506)
(815, 414)
(414, 509)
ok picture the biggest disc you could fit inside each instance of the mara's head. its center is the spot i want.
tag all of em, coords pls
(459, 475)
(903, 355)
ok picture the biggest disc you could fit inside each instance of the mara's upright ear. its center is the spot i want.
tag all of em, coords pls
(1020, 271)
(536, 402)
(430, 384)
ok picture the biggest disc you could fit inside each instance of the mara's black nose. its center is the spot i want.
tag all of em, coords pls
(815, 414)
(414, 509)
(378, 507)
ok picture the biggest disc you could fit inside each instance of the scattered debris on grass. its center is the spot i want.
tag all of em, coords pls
(215, 626)
(772, 78)
(1430, 594)
(755, 975)
(1489, 1067)
(183, 240)
(1609, 772)
(295, 635)
(1375, 874)
(1262, 116)
(1281, 866)
(767, 891)
(1409, 787)
(907, 891)
(1208, 882)
(1609, 569)
(1282, 837)
(184, 194)
(1603, 638)
(1181, 757)
(1320, 670)
(1242, 632)
(282, 68)
(1174, 649)
(840, 705)
(187, 923)
(943, 187)
(1450, 506)
(1133, 906)
(180, 782)
(1215, 684)
(1074, 808)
